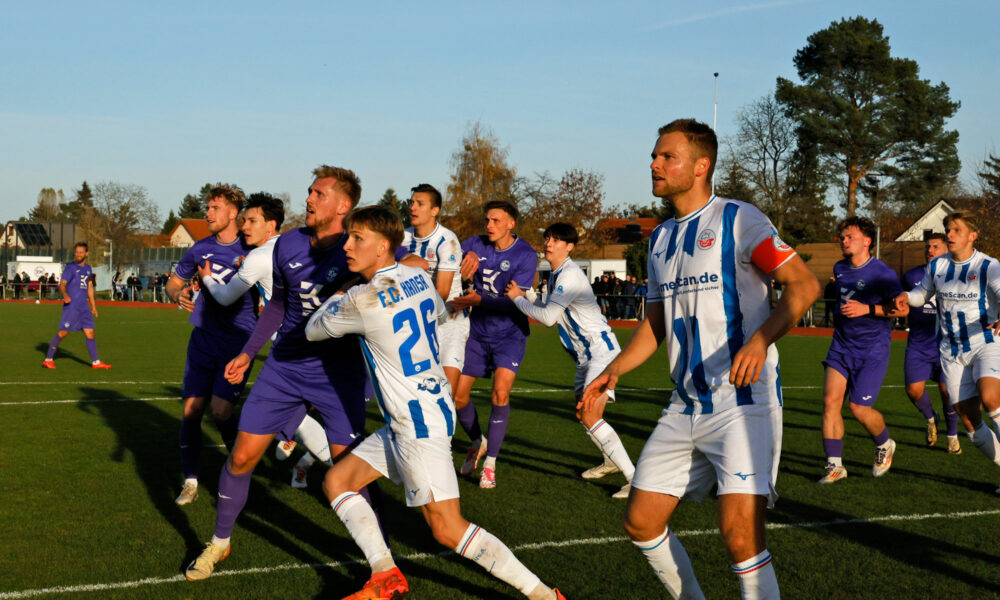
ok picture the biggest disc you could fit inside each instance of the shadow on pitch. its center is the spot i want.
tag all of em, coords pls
(43, 348)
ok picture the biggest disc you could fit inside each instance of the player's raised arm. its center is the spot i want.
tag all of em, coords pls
(229, 292)
(336, 317)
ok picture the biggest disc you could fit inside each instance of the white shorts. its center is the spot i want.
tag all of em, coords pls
(738, 449)
(963, 371)
(424, 466)
(588, 372)
(452, 335)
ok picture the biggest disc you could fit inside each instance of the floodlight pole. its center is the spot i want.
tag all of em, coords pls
(715, 121)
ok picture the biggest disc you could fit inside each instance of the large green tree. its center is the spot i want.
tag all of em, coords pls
(867, 112)
(73, 210)
(393, 202)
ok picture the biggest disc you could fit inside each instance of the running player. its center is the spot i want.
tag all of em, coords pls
(922, 360)
(309, 266)
(79, 307)
(859, 353)
(219, 332)
(966, 285)
(585, 334)
(397, 314)
(498, 332)
(709, 272)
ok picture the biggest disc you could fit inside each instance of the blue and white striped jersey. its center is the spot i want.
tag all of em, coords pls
(443, 252)
(396, 316)
(709, 271)
(967, 295)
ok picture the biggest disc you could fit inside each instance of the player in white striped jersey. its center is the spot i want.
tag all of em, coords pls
(966, 285)
(262, 221)
(709, 273)
(396, 315)
(586, 336)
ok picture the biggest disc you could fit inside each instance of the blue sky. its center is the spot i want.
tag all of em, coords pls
(174, 96)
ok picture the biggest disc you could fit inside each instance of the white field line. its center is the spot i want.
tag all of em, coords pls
(97, 587)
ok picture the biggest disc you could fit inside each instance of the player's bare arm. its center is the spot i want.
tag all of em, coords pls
(179, 291)
(800, 290)
(65, 293)
(513, 290)
(472, 298)
(469, 266)
(412, 260)
(236, 368)
(90, 299)
(853, 309)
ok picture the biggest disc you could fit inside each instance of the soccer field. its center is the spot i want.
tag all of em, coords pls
(90, 469)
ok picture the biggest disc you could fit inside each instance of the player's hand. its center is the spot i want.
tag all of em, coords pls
(237, 368)
(604, 383)
(996, 328)
(902, 302)
(67, 300)
(748, 362)
(93, 310)
(853, 308)
(184, 298)
(466, 301)
(469, 266)
(205, 270)
(513, 290)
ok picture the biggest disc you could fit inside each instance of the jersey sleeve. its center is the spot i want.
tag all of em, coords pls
(653, 293)
(337, 317)
(449, 254)
(527, 264)
(567, 288)
(66, 274)
(760, 242)
(254, 268)
(993, 280)
(925, 290)
(890, 285)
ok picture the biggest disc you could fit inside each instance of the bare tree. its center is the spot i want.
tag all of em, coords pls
(120, 213)
(765, 146)
(480, 174)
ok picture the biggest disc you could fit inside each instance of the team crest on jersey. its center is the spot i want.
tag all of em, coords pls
(430, 385)
(779, 244)
(861, 284)
(706, 239)
(504, 265)
(238, 261)
(332, 274)
(559, 289)
(971, 277)
(452, 257)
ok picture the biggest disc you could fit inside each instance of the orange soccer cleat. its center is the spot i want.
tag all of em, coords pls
(385, 585)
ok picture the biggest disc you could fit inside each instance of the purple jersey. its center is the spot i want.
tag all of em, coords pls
(497, 317)
(871, 283)
(306, 276)
(923, 320)
(235, 320)
(77, 278)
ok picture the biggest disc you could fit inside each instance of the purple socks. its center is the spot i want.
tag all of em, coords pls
(469, 420)
(923, 404)
(882, 437)
(228, 430)
(52, 346)
(497, 429)
(233, 490)
(190, 446)
(833, 448)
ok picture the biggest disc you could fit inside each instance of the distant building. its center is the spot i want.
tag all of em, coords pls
(21, 235)
(187, 232)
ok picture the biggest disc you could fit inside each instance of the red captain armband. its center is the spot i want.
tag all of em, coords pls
(771, 253)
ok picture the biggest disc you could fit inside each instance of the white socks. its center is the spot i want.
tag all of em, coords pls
(608, 442)
(757, 579)
(984, 439)
(220, 542)
(359, 518)
(671, 564)
(482, 548)
(313, 437)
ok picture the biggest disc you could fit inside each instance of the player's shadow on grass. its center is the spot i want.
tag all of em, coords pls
(915, 550)
(43, 348)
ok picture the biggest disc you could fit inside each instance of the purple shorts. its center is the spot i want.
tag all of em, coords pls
(76, 317)
(278, 401)
(204, 372)
(482, 358)
(864, 374)
(920, 365)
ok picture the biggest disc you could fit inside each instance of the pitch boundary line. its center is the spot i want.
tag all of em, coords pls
(418, 556)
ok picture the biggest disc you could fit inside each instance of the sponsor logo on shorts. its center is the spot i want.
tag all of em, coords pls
(743, 476)
(294, 265)
(866, 398)
(414, 492)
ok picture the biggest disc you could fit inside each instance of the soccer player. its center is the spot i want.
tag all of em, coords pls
(859, 353)
(922, 360)
(584, 332)
(397, 314)
(79, 307)
(966, 286)
(309, 266)
(498, 332)
(709, 273)
(218, 334)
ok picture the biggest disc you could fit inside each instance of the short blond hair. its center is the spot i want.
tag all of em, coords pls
(228, 192)
(970, 220)
(347, 181)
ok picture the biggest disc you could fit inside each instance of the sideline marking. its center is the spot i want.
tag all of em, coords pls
(96, 587)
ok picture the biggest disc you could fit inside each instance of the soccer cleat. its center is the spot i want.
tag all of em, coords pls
(488, 480)
(559, 595)
(953, 446)
(385, 585)
(833, 473)
(99, 365)
(605, 468)
(48, 363)
(883, 459)
(202, 567)
(472, 458)
(931, 433)
(189, 493)
(623, 493)
(298, 477)
(284, 449)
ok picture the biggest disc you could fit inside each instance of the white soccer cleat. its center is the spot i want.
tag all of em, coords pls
(472, 457)
(623, 493)
(284, 449)
(953, 446)
(601, 470)
(833, 473)
(488, 480)
(202, 567)
(883, 459)
(189, 493)
(299, 477)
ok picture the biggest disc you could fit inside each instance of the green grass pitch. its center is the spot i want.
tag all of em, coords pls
(89, 466)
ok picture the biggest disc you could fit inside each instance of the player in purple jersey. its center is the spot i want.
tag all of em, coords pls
(498, 331)
(859, 354)
(79, 307)
(219, 331)
(922, 360)
(309, 266)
